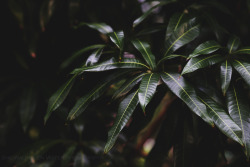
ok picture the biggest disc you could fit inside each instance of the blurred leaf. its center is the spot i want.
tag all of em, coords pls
(245, 50)
(128, 85)
(238, 108)
(233, 44)
(225, 75)
(205, 48)
(44, 164)
(201, 62)
(146, 14)
(147, 89)
(125, 110)
(81, 160)
(221, 119)
(183, 35)
(243, 69)
(59, 96)
(150, 30)
(113, 64)
(77, 54)
(145, 50)
(117, 38)
(175, 22)
(186, 93)
(67, 156)
(46, 11)
(28, 102)
(94, 57)
(101, 27)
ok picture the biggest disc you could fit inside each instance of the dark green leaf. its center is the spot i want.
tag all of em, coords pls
(183, 35)
(186, 92)
(147, 89)
(28, 103)
(94, 57)
(101, 27)
(233, 44)
(145, 50)
(113, 64)
(68, 154)
(170, 57)
(245, 50)
(81, 160)
(201, 62)
(117, 38)
(225, 75)
(175, 22)
(239, 111)
(205, 48)
(128, 85)
(146, 14)
(150, 30)
(221, 119)
(77, 54)
(59, 96)
(243, 69)
(125, 110)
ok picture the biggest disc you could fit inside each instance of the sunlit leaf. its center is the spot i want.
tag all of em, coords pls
(125, 110)
(205, 48)
(182, 89)
(238, 108)
(145, 50)
(225, 75)
(147, 89)
(201, 62)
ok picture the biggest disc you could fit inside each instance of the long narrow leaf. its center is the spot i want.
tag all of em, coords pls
(128, 85)
(125, 111)
(66, 157)
(221, 119)
(201, 62)
(175, 22)
(245, 50)
(147, 89)
(186, 93)
(117, 38)
(113, 64)
(183, 35)
(239, 111)
(94, 57)
(58, 97)
(101, 27)
(145, 50)
(243, 69)
(233, 44)
(205, 48)
(225, 75)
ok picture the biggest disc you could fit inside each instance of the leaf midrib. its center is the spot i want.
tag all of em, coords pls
(146, 53)
(146, 91)
(205, 49)
(242, 66)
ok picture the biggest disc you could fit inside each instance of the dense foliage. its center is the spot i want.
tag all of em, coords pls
(148, 83)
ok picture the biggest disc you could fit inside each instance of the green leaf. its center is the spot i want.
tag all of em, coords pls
(205, 48)
(201, 62)
(68, 154)
(95, 93)
(77, 54)
(186, 93)
(171, 56)
(233, 44)
(146, 14)
(117, 38)
(145, 50)
(81, 160)
(101, 27)
(59, 96)
(147, 89)
(239, 111)
(113, 64)
(94, 57)
(221, 119)
(175, 22)
(183, 35)
(245, 50)
(128, 85)
(28, 104)
(125, 110)
(243, 69)
(225, 75)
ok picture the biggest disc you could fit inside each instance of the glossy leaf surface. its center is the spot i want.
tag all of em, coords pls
(243, 69)
(233, 44)
(225, 75)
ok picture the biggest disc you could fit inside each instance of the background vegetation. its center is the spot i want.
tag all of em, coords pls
(45, 40)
